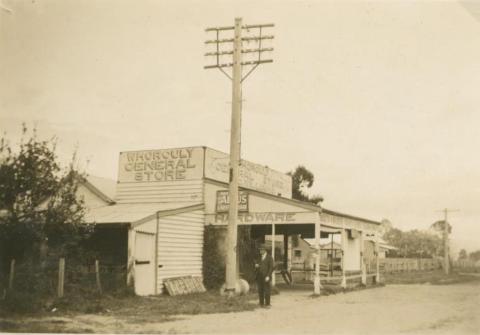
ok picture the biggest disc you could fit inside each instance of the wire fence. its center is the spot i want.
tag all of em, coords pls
(59, 277)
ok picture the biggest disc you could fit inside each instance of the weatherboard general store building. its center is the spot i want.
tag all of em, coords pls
(164, 199)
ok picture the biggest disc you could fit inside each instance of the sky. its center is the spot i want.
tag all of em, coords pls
(378, 99)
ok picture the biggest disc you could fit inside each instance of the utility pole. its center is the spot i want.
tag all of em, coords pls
(446, 253)
(237, 78)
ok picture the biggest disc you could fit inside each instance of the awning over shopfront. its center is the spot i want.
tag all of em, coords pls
(134, 214)
(260, 208)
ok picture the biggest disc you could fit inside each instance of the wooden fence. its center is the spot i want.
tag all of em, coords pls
(390, 265)
(387, 265)
(467, 265)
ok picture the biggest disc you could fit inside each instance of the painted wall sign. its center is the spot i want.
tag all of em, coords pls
(161, 165)
(259, 218)
(253, 176)
(223, 201)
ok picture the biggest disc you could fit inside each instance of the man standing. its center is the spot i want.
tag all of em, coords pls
(264, 270)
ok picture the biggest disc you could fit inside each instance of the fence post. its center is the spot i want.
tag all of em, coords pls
(12, 274)
(61, 277)
(97, 275)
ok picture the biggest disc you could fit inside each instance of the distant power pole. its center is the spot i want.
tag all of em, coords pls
(237, 78)
(446, 253)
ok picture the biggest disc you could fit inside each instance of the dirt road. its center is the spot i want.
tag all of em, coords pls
(412, 309)
(417, 309)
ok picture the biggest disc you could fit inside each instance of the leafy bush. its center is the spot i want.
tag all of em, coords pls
(248, 252)
(40, 210)
(213, 257)
(214, 251)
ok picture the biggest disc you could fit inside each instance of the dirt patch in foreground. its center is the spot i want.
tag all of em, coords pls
(411, 309)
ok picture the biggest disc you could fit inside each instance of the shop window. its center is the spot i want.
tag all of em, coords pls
(297, 253)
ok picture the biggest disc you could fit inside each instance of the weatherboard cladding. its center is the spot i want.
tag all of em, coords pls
(144, 192)
(180, 245)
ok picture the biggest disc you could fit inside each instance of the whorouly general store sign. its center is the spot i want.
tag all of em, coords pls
(161, 165)
(195, 163)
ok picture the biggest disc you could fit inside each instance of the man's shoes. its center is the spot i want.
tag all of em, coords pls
(268, 306)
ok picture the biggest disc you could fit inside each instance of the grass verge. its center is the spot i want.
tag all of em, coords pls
(199, 303)
(130, 304)
(428, 277)
(130, 308)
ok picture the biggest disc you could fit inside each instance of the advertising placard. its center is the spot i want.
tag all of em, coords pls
(223, 201)
(251, 175)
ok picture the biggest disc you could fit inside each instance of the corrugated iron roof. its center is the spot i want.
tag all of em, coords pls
(372, 238)
(131, 213)
(382, 243)
(311, 242)
(387, 246)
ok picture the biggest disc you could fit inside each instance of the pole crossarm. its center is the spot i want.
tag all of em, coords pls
(265, 25)
(248, 26)
(448, 210)
(244, 51)
(220, 53)
(219, 28)
(256, 37)
(250, 38)
(256, 62)
(224, 40)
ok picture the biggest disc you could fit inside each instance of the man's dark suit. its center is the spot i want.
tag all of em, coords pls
(264, 270)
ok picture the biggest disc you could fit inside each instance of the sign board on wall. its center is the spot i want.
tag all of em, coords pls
(170, 165)
(223, 201)
(253, 176)
(161, 165)
(261, 217)
(255, 218)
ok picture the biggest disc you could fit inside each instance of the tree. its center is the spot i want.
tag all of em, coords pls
(474, 256)
(462, 254)
(385, 226)
(302, 178)
(439, 226)
(38, 201)
(413, 243)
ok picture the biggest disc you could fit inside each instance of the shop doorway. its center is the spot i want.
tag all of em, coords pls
(144, 263)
